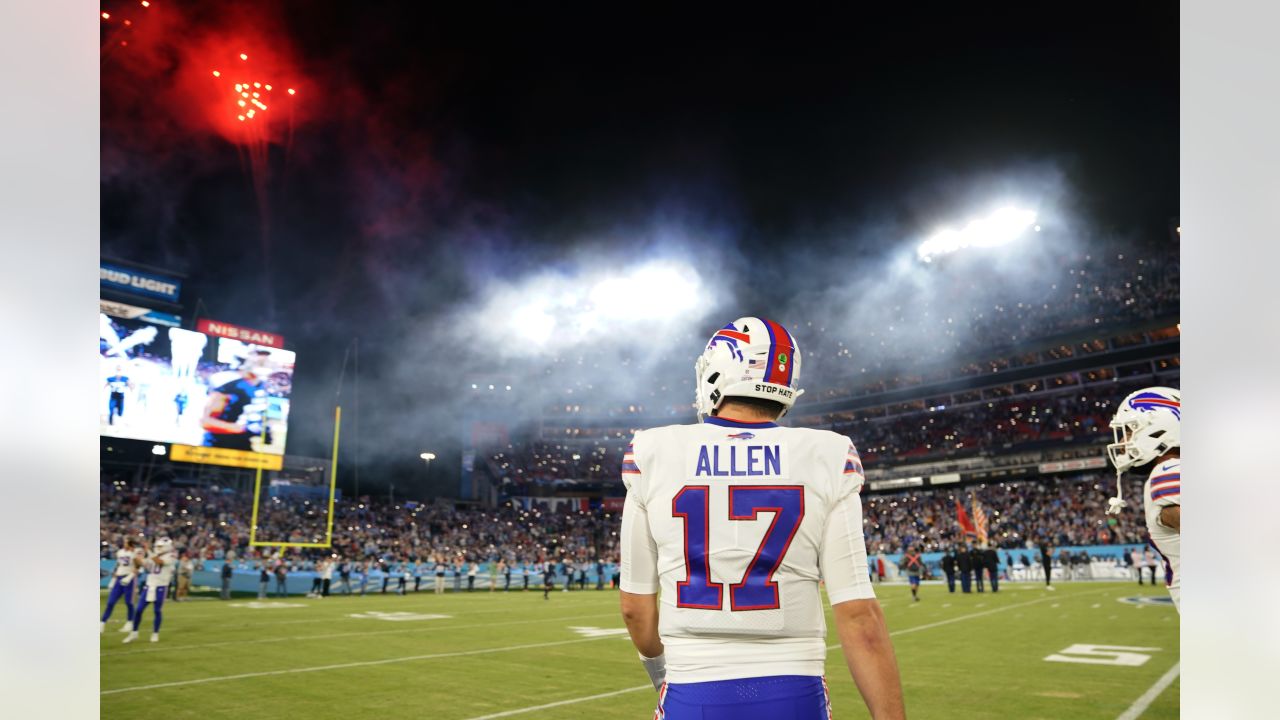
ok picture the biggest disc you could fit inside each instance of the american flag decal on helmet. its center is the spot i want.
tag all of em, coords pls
(1148, 401)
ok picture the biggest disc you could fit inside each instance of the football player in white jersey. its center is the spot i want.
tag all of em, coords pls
(123, 580)
(160, 566)
(1147, 430)
(735, 521)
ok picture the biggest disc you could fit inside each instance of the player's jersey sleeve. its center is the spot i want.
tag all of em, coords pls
(842, 558)
(639, 550)
(1165, 486)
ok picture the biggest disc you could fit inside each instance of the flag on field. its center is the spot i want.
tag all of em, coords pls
(963, 519)
(979, 520)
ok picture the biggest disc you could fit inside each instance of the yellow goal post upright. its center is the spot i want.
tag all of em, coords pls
(333, 486)
(352, 352)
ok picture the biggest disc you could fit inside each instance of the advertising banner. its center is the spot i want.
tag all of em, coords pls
(226, 456)
(1089, 463)
(138, 282)
(235, 332)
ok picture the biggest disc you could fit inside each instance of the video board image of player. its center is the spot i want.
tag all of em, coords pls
(247, 407)
(160, 384)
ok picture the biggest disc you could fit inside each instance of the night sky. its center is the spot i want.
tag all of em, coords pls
(433, 151)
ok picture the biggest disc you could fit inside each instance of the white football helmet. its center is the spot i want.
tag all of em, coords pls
(1145, 427)
(749, 357)
(163, 546)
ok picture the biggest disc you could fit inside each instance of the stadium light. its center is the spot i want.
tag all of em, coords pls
(999, 228)
(428, 456)
(157, 450)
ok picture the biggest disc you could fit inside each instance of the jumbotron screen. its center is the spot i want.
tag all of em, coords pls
(170, 385)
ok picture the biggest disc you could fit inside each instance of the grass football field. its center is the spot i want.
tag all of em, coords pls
(494, 655)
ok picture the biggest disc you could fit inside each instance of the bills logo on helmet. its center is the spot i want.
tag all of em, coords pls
(1148, 401)
(729, 335)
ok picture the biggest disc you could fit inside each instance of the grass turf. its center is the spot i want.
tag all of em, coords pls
(970, 656)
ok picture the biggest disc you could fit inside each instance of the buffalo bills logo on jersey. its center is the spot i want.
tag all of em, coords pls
(742, 436)
(1148, 401)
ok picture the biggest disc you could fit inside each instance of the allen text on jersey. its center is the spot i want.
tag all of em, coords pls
(739, 461)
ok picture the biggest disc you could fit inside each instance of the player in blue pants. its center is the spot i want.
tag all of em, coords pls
(123, 579)
(160, 568)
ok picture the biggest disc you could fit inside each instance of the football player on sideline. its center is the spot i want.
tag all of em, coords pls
(737, 520)
(1147, 429)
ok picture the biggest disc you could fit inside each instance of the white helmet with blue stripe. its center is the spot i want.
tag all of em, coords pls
(750, 357)
(1146, 426)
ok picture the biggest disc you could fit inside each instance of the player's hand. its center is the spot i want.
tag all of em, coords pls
(657, 669)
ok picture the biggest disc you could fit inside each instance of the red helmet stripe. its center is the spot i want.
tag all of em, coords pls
(780, 343)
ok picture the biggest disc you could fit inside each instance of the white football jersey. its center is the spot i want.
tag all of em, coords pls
(1164, 488)
(736, 524)
(159, 575)
(124, 564)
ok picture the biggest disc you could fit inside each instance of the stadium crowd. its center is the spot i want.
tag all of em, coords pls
(211, 523)
(1066, 511)
(906, 432)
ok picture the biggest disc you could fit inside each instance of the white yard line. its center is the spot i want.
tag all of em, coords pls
(433, 626)
(588, 698)
(344, 666)
(571, 701)
(465, 653)
(1140, 705)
